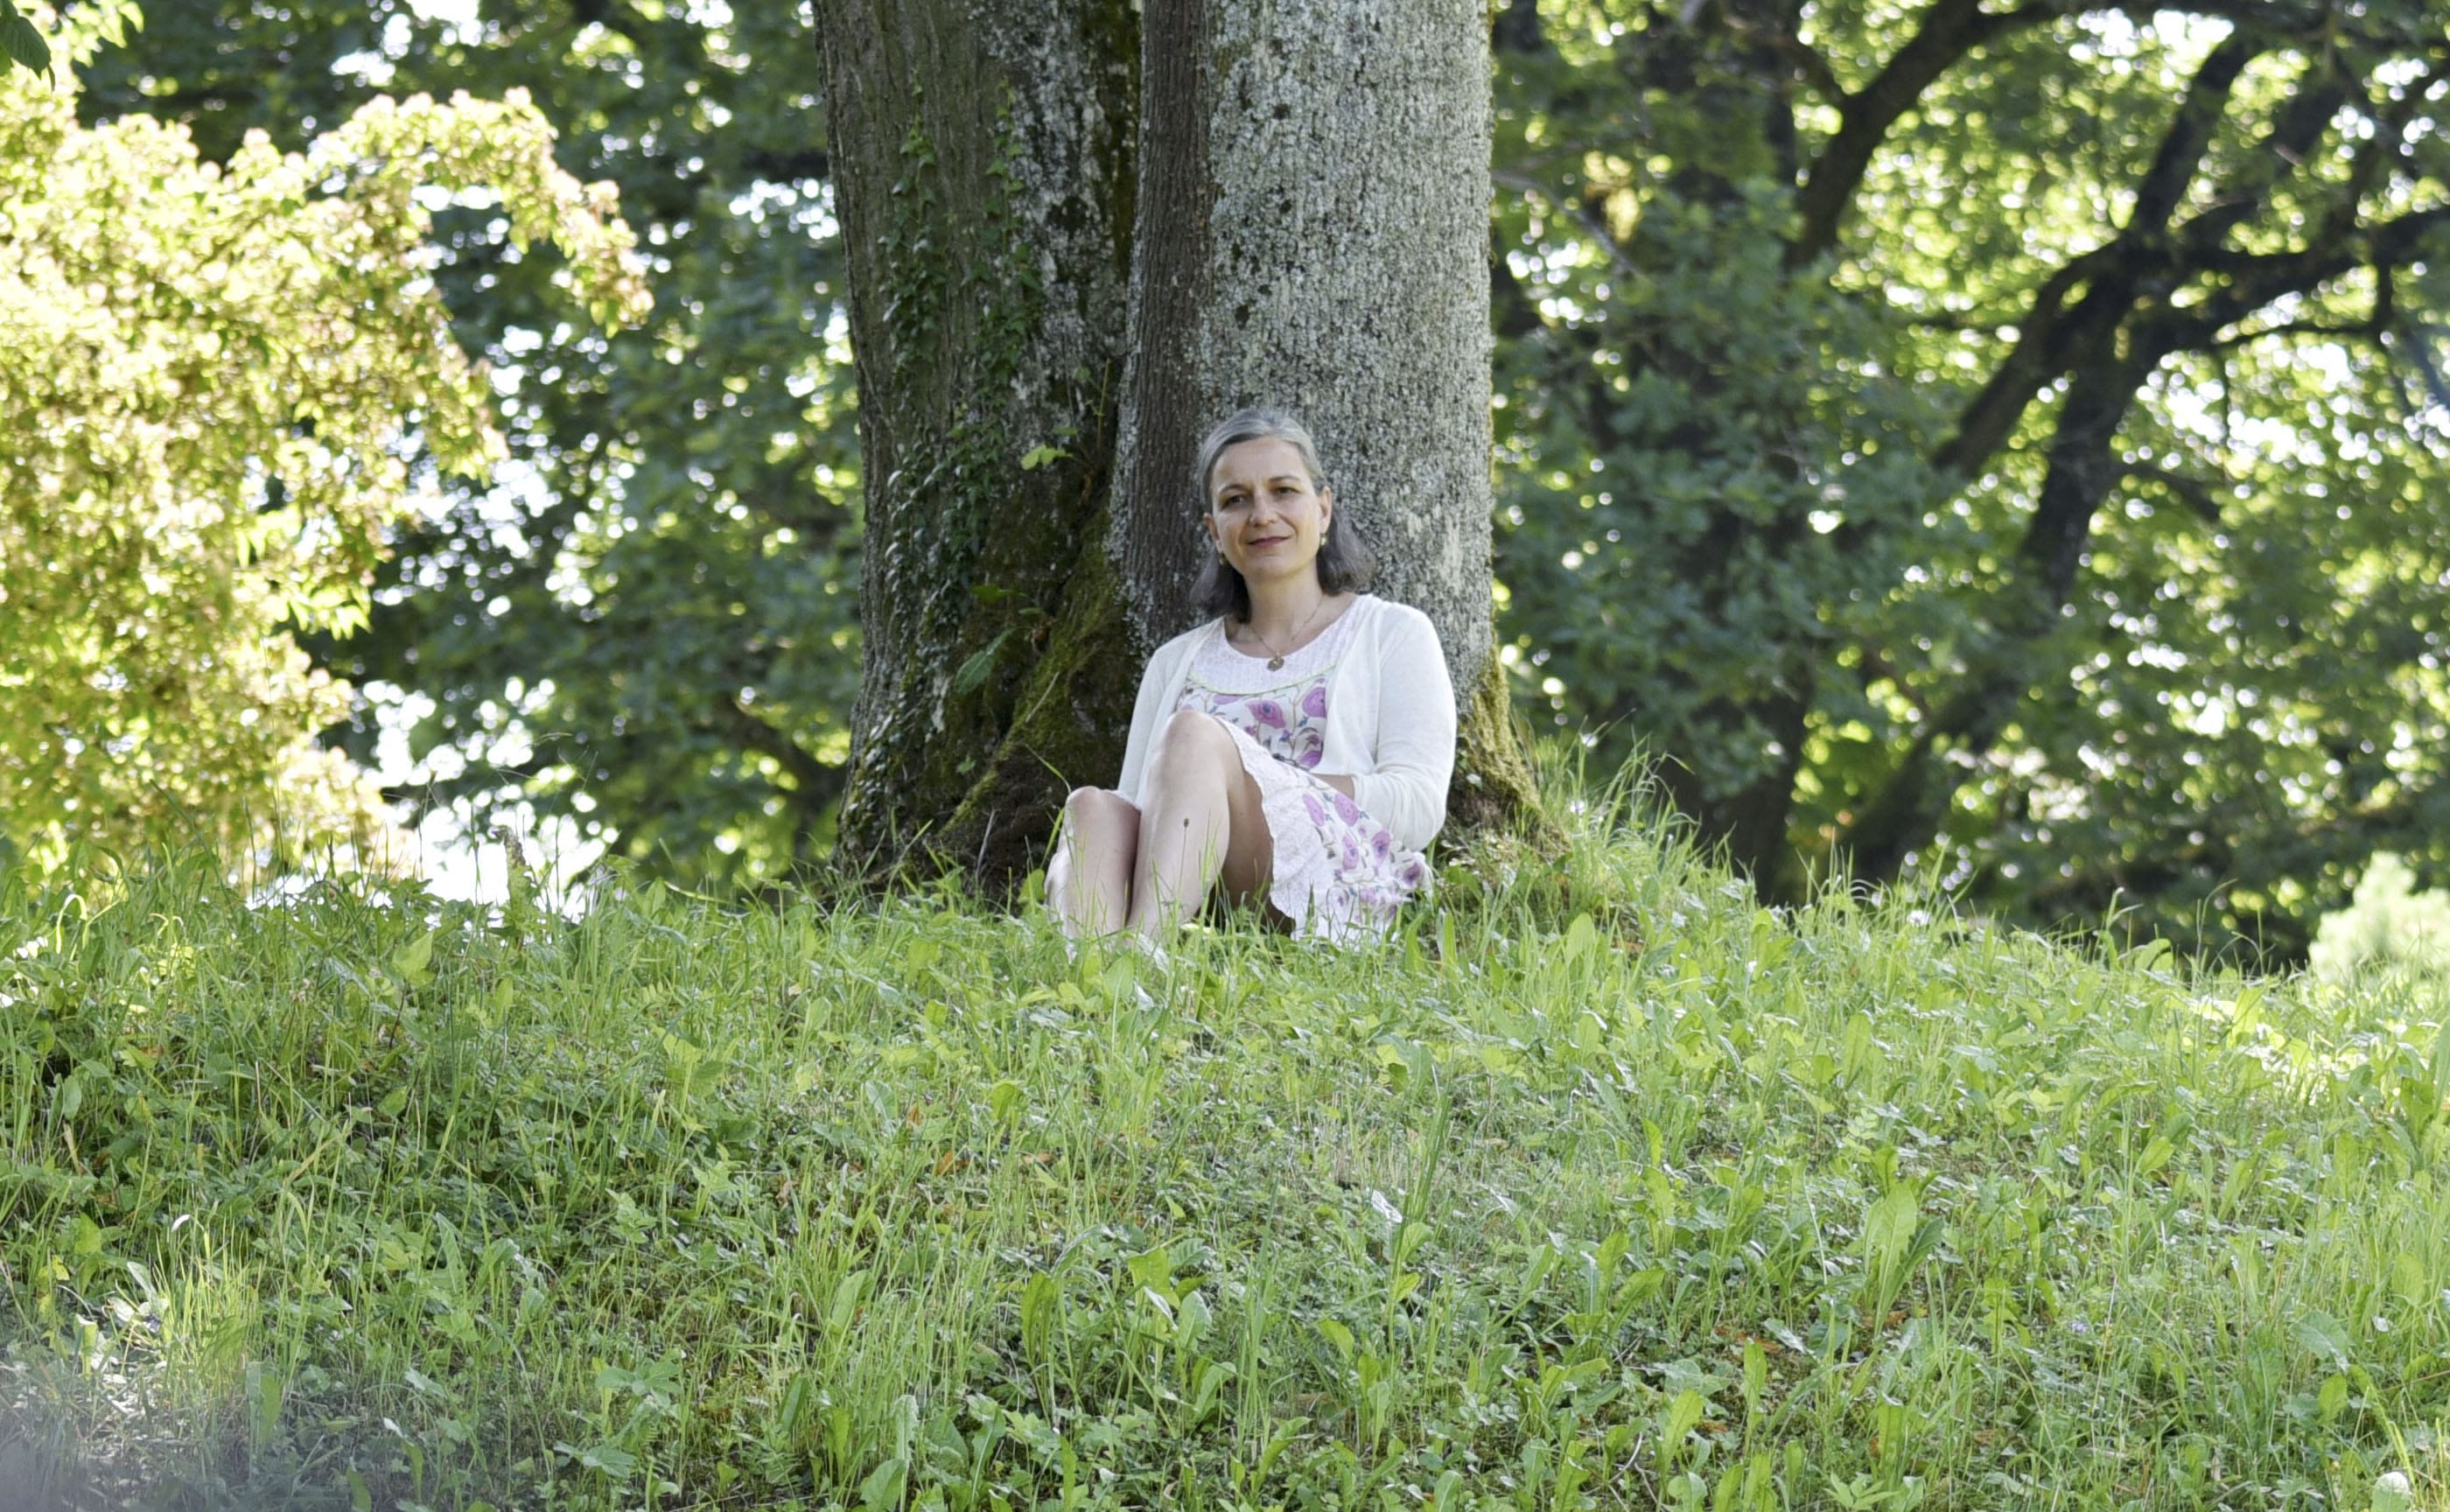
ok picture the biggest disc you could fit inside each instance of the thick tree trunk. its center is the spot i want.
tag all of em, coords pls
(982, 172)
(1311, 185)
(1314, 234)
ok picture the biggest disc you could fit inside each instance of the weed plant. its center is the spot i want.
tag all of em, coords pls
(1598, 1186)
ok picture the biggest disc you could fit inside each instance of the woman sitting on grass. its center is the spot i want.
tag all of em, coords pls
(1298, 746)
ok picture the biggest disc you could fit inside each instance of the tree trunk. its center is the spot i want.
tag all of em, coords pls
(983, 172)
(1314, 234)
(1312, 191)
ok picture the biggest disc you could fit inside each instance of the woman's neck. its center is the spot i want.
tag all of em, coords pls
(1280, 611)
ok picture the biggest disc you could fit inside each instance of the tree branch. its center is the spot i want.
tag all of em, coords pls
(2281, 152)
(2290, 16)
(2163, 187)
(776, 165)
(2038, 356)
(2113, 273)
(476, 777)
(2363, 331)
(1949, 29)
(611, 15)
(1800, 55)
(1516, 28)
(2389, 140)
(2395, 244)
(2193, 492)
(2257, 280)
(1906, 812)
(1876, 667)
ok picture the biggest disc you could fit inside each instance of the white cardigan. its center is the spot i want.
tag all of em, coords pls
(1390, 716)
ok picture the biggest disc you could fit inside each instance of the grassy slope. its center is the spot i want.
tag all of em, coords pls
(675, 1207)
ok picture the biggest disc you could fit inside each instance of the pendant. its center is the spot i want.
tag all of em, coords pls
(1276, 664)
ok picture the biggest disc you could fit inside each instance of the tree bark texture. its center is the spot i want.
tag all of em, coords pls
(1313, 236)
(983, 156)
(1299, 219)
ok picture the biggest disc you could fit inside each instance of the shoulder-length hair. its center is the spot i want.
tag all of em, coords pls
(1345, 560)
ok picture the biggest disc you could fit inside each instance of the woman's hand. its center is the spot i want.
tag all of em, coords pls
(1341, 783)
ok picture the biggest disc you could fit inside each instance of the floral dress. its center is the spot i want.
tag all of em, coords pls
(1338, 873)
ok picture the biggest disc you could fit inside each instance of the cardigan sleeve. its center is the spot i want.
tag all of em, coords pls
(1405, 789)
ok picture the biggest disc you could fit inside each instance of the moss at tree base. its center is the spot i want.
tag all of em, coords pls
(1068, 730)
(1494, 790)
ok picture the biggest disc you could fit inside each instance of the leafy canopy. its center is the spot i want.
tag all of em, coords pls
(210, 377)
(2009, 437)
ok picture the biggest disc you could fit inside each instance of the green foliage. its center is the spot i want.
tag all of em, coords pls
(1737, 524)
(23, 41)
(646, 624)
(1609, 1185)
(207, 373)
(1757, 513)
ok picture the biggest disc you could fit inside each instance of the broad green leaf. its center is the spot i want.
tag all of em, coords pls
(24, 44)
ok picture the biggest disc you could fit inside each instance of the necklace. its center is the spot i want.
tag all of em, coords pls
(1277, 658)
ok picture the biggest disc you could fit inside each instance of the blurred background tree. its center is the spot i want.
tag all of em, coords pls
(207, 373)
(1993, 437)
(1996, 439)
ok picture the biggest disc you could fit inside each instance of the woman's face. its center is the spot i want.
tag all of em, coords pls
(1264, 514)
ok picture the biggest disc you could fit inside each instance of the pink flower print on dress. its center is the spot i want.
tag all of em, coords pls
(1340, 873)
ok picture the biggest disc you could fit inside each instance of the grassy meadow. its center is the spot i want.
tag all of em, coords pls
(1599, 1187)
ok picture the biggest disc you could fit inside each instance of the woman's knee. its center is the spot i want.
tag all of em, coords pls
(1100, 812)
(1193, 741)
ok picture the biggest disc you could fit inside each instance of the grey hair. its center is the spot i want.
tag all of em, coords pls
(1255, 425)
(1345, 560)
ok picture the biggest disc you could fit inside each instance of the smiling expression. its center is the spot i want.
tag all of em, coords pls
(1265, 515)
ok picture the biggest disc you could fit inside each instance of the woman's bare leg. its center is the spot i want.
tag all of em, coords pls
(1088, 883)
(1202, 821)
